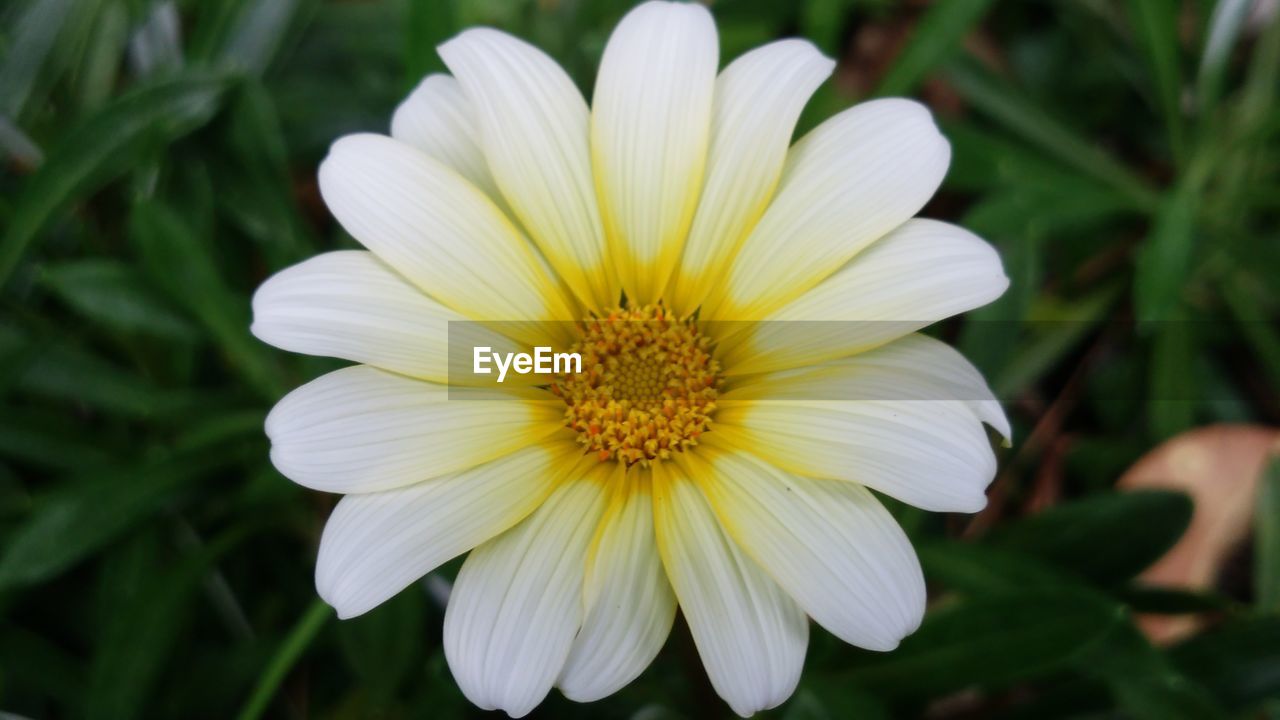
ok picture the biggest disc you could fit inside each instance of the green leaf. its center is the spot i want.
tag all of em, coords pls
(982, 569)
(1173, 394)
(43, 439)
(155, 44)
(32, 661)
(991, 331)
(1245, 169)
(1224, 29)
(100, 67)
(1250, 312)
(823, 22)
(117, 295)
(936, 35)
(1261, 81)
(14, 498)
(1143, 681)
(1172, 601)
(383, 646)
(1036, 193)
(80, 517)
(979, 568)
(212, 429)
(1266, 545)
(1038, 126)
(33, 38)
(302, 634)
(1155, 26)
(822, 699)
(104, 146)
(180, 258)
(1055, 338)
(254, 186)
(1239, 662)
(1164, 261)
(62, 371)
(429, 24)
(989, 641)
(143, 628)
(1106, 538)
(258, 32)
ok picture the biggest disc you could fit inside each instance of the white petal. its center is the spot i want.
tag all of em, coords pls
(831, 545)
(348, 305)
(360, 429)
(853, 179)
(533, 130)
(438, 119)
(750, 634)
(517, 602)
(629, 603)
(922, 272)
(438, 230)
(904, 419)
(914, 368)
(376, 544)
(758, 99)
(650, 122)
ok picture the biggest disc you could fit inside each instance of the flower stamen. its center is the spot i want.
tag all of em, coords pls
(648, 385)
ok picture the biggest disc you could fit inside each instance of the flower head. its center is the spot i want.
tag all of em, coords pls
(746, 312)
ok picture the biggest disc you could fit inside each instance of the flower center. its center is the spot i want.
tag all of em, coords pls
(647, 388)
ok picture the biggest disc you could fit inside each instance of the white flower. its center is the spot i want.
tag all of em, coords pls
(684, 468)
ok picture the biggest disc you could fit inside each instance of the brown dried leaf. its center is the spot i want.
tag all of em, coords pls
(1219, 467)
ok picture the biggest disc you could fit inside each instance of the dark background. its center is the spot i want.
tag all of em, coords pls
(158, 162)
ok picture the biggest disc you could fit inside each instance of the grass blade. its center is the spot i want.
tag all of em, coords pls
(179, 256)
(116, 295)
(990, 641)
(936, 35)
(1164, 261)
(105, 146)
(1155, 26)
(1021, 116)
(1224, 29)
(259, 31)
(1267, 542)
(305, 631)
(34, 37)
(83, 516)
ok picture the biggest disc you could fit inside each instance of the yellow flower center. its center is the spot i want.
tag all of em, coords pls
(647, 388)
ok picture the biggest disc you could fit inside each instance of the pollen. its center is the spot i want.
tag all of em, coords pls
(647, 388)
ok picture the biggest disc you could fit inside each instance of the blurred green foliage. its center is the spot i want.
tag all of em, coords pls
(159, 163)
